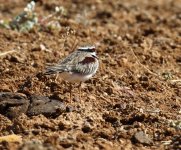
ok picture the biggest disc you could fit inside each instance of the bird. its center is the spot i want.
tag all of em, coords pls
(79, 66)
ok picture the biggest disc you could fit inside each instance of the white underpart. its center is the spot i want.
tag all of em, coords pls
(93, 53)
(74, 77)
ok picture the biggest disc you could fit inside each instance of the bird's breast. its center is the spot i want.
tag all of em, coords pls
(75, 77)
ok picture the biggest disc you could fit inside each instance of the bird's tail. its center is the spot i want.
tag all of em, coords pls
(53, 70)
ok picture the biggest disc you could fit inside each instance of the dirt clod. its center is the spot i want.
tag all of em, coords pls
(142, 138)
(13, 104)
(44, 105)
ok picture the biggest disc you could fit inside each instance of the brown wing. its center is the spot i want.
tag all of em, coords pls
(87, 60)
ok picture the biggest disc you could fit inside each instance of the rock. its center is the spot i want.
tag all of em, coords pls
(13, 104)
(141, 137)
(87, 127)
(110, 118)
(69, 109)
(44, 105)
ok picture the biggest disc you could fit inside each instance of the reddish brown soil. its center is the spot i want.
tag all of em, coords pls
(137, 87)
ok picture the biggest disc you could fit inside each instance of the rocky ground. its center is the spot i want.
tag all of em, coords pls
(134, 100)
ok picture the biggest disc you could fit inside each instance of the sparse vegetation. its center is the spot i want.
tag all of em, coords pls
(27, 19)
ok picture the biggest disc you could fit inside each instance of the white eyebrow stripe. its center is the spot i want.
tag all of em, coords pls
(87, 47)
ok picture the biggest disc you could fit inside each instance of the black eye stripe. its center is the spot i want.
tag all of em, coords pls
(87, 50)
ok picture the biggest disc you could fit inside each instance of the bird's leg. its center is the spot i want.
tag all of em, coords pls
(56, 77)
(70, 88)
(79, 87)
